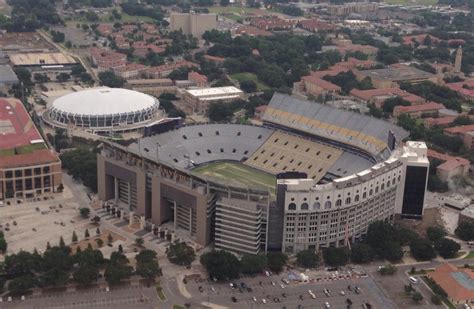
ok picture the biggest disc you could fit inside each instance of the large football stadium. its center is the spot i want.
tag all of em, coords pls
(310, 177)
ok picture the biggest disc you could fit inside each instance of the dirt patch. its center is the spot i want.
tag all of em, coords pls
(431, 217)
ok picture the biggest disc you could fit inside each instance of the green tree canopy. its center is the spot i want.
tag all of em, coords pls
(447, 248)
(362, 253)
(253, 264)
(276, 261)
(221, 264)
(307, 259)
(180, 253)
(336, 256)
(465, 230)
(422, 250)
(435, 233)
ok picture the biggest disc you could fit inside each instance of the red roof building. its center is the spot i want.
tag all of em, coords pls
(130, 71)
(315, 25)
(465, 88)
(451, 166)
(198, 79)
(251, 31)
(107, 59)
(378, 96)
(418, 111)
(459, 130)
(27, 167)
(272, 23)
(315, 86)
(441, 122)
(419, 38)
(217, 60)
(165, 69)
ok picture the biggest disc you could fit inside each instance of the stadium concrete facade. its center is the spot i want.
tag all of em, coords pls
(310, 177)
(102, 110)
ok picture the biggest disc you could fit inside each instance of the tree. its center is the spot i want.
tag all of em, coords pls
(417, 297)
(388, 270)
(248, 86)
(362, 253)
(435, 233)
(180, 253)
(61, 242)
(221, 264)
(99, 242)
(85, 274)
(40, 78)
(465, 230)
(253, 264)
(336, 256)
(139, 241)
(219, 111)
(86, 234)
(389, 104)
(3, 245)
(63, 77)
(307, 259)
(276, 261)
(447, 248)
(117, 269)
(21, 285)
(96, 220)
(436, 299)
(84, 211)
(109, 79)
(147, 264)
(422, 250)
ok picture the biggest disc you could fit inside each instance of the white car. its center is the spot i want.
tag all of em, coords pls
(282, 286)
(327, 305)
(343, 293)
(264, 300)
(273, 283)
(254, 299)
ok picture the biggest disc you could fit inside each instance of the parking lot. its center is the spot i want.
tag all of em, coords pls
(273, 292)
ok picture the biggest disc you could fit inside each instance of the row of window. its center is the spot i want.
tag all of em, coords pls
(218, 133)
(27, 172)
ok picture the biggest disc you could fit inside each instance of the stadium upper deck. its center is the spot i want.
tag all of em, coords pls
(363, 132)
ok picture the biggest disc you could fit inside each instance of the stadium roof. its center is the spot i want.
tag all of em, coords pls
(7, 76)
(104, 101)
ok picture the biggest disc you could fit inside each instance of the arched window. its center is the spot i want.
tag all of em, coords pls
(371, 192)
(316, 205)
(388, 183)
(339, 202)
(364, 195)
(356, 199)
(376, 189)
(327, 205)
(348, 201)
(382, 186)
(292, 206)
(393, 181)
(304, 206)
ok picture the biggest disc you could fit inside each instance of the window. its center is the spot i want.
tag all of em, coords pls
(348, 201)
(185, 137)
(304, 206)
(307, 149)
(217, 132)
(200, 134)
(222, 149)
(292, 206)
(238, 133)
(276, 140)
(371, 192)
(317, 205)
(317, 153)
(329, 156)
(356, 199)
(234, 150)
(259, 137)
(197, 153)
(208, 151)
(327, 205)
(339, 202)
(364, 195)
(246, 152)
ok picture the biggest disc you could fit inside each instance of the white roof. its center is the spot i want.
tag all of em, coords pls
(215, 91)
(104, 101)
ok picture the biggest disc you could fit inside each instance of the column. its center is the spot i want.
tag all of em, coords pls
(190, 221)
(116, 189)
(175, 214)
(130, 218)
(129, 200)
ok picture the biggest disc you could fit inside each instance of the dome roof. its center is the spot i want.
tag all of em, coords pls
(104, 101)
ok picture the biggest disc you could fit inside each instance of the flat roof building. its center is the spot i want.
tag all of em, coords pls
(418, 111)
(27, 167)
(8, 78)
(40, 59)
(199, 99)
(391, 77)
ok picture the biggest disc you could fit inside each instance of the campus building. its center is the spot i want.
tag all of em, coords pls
(199, 99)
(27, 167)
(193, 24)
(310, 177)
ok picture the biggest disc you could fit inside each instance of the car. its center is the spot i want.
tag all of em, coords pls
(213, 289)
(273, 283)
(267, 273)
(264, 300)
(283, 295)
(466, 306)
(310, 292)
(327, 305)
(234, 300)
(313, 296)
(282, 286)
(231, 285)
(243, 285)
(343, 293)
(413, 280)
(254, 299)
(285, 281)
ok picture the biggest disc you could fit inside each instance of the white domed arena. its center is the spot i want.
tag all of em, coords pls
(103, 110)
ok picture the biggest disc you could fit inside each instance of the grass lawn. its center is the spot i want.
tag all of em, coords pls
(7, 152)
(178, 307)
(230, 10)
(239, 174)
(22, 150)
(159, 291)
(470, 255)
(129, 18)
(250, 76)
(412, 2)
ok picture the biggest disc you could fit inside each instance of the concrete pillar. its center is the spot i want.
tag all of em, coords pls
(142, 222)
(190, 221)
(129, 201)
(130, 219)
(116, 189)
(175, 216)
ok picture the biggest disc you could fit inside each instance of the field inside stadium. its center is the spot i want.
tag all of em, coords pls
(238, 174)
